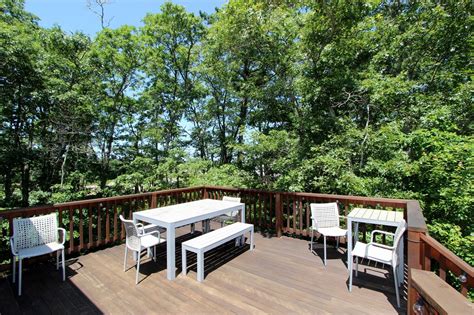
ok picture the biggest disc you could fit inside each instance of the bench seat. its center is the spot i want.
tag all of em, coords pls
(208, 241)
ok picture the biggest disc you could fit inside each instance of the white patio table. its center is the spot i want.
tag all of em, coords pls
(171, 217)
(373, 216)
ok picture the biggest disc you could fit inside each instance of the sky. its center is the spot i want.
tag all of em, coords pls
(73, 15)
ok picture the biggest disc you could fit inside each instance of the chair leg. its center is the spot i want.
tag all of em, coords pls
(337, 242)
(125, 259)
(19, 276)
(154, 253)
(324, 250)
(64, 266)
(138, 267)
(57, 260)
(396, 285)
(312, 236)
(14, 268)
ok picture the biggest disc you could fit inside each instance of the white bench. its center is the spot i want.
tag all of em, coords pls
(206, 242)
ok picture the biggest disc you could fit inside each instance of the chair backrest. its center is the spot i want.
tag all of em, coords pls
(35, 231)
(132, 238)
(233, 199)
(401, 228)
(325, 215)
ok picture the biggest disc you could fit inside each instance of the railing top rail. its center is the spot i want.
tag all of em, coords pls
(51, 207)
(399, 202)
(450, 256)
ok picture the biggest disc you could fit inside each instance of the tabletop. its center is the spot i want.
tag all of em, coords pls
(184, 211)
(376, 216)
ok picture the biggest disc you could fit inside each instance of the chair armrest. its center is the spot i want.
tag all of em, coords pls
(12, 243)
(63, 236)
(380, 232)
(380, 245)
(140, 228)
(150, 233)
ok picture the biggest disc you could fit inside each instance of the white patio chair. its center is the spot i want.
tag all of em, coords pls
(325, 218)
(230, 216)
(380, 253)
(33, 237)
(137, 240)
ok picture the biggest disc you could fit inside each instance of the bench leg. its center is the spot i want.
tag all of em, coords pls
(193, 228)
(200, 266)
(251, 238)
(183, 261)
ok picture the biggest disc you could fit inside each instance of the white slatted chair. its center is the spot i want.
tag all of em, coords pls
(230, 216)
(325, 218)
(36, 236)
(380, 253)
(137, 240)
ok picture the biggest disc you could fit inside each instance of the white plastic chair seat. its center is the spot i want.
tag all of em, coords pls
(148, 241)
(40, 250)
(375, 253)
(153, 227)
(334, 231)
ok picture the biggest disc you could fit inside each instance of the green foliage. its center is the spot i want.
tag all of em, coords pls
(450, 235)
(368, 98)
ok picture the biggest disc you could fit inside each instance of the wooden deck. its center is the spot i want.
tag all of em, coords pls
(280, 276)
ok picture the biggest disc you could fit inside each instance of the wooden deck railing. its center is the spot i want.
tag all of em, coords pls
(93, 223)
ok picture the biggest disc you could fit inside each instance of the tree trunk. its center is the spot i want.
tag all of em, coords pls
(25, 184)
(7, 186)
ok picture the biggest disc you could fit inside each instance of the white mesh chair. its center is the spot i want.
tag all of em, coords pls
(137, 240)
(230, 216)
(36, 236)
(325, 218)
(380, 253)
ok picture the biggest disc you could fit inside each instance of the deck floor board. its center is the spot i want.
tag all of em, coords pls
(280, 276)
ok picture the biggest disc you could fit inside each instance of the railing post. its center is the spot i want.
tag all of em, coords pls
(416, 226)
(204, 193)
(153, 201)
(278, 215)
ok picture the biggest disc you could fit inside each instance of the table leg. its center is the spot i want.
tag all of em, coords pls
(349, 244)
(170, 253)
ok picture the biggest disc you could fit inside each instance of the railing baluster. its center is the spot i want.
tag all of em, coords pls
(81, 229)
(71, 230)
(107, 223)
(99, 224)
(115, 221)
(90, 236)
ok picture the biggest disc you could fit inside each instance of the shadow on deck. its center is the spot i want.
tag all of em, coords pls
(280, 276)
